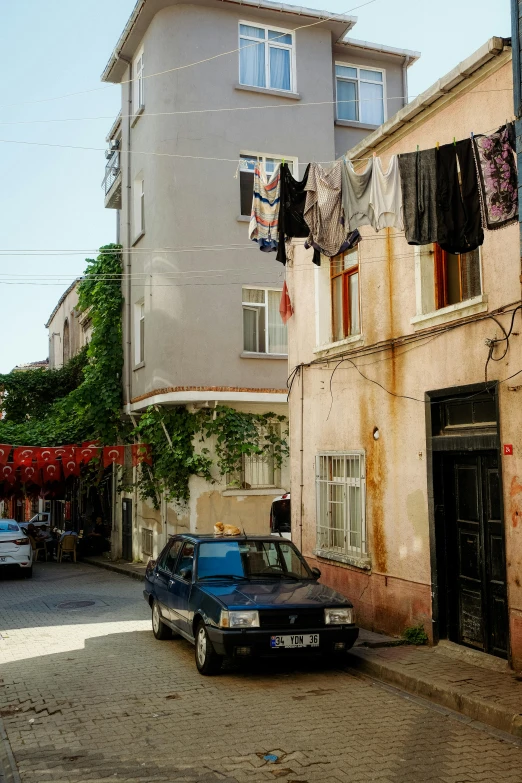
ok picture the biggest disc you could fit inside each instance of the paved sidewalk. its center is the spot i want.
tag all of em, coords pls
(477, 685)
(134, 570)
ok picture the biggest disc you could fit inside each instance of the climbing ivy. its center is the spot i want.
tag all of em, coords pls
(83, 401)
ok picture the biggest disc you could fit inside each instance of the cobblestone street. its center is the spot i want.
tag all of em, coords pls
(87, 693)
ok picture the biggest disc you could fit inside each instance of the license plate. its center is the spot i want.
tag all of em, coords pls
(299, 640)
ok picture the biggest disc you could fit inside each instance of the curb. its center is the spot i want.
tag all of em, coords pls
(475, 708)
(8, 768)
(126, 571)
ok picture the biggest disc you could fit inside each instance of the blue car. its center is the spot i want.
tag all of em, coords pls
(244, 596)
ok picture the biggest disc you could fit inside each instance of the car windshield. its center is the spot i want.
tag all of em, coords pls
(7, 526)
(250, 559)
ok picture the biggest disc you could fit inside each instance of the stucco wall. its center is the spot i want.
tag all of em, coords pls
(397, 591)
(66, 312)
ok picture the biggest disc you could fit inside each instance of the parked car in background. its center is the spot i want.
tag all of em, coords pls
(15, 547)
(280, 519)
(42, 518)
(245, 596)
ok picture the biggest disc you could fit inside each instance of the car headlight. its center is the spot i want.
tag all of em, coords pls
(238, 619)
(341, 616)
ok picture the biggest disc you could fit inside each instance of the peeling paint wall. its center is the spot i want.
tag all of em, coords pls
(342, 410)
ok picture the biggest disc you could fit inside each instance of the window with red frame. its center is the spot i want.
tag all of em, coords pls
(457, 277)
(344, 289)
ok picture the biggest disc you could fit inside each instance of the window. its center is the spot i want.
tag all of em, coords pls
(66, 342)
(344, 287)
(167, 559)
(247, 165)
(457, 277)
(340, 489)
(259, 471)
(263, 329)
(445, 279)
(138, 95)
(139, 207)
(266, 57)
(186, 559)
(360, 94)
(139, 333)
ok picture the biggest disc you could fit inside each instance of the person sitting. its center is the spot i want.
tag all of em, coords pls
(46, 536)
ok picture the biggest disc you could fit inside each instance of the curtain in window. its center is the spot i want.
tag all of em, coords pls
(355, 327)
(372, 105)
(346, 100)
(277, 333)
(470, 274)
(252, 63)
(250, 329)
(279, 68)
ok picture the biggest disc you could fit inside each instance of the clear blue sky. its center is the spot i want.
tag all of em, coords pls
(52, 199)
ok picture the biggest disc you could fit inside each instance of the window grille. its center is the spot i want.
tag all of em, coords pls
(147, 541)
(340, 488)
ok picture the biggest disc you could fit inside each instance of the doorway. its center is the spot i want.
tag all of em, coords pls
(470, 559)
(126, 529)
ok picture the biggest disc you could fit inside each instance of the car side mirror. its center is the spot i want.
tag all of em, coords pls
(316, 573)
(186, 573)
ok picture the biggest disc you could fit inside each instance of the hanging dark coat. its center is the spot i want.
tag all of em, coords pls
(458, 199)
(291, 208)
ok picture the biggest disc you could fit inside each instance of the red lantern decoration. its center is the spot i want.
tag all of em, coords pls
(141, 452)
(113, 455)
(4, 453)
(24, 455)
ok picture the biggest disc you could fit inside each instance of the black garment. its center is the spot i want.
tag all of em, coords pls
(458, 202)
(419, 197)
(292, 201)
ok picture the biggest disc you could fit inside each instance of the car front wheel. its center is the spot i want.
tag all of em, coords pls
(160, 630)
(207, 660)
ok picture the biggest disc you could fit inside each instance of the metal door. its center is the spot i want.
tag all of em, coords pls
(477, 592)
(126, 529)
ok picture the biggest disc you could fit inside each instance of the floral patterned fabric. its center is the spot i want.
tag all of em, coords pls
(497, 174)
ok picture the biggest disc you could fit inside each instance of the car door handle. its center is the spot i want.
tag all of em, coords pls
(171, 582)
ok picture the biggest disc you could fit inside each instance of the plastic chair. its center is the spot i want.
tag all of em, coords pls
(67, 546)
(37, 547)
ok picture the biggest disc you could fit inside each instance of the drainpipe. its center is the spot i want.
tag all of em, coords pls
(516, 10)
(301, 485)
(405, 64)
(128, 260)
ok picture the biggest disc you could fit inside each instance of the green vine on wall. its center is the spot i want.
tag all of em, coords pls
(83, 401)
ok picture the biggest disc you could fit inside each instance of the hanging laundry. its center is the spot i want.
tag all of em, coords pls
(356, 195)
(285, 305)
(291, 209)
(497, 176)
(385, 195)
(458, 198)
(324, 211)
(265, 209)
(419, 197)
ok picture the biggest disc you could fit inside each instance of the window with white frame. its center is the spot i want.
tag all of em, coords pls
(263, 328)
(139, 332)
(360, 94)
(259, 471)
(138, 94)
(340, 490)
(444, 279)
(266, 57)
(247, 163)
(139, 206)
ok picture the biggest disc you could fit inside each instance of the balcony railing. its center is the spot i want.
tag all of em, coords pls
(112, 169)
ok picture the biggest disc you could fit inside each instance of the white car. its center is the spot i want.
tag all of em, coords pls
(15, 547)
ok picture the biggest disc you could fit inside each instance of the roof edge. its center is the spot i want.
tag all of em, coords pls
(61, 300)
(265, 5)
(408, 54)
(494, 47)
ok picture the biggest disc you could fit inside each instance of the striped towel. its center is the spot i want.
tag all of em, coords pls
(264, 219)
